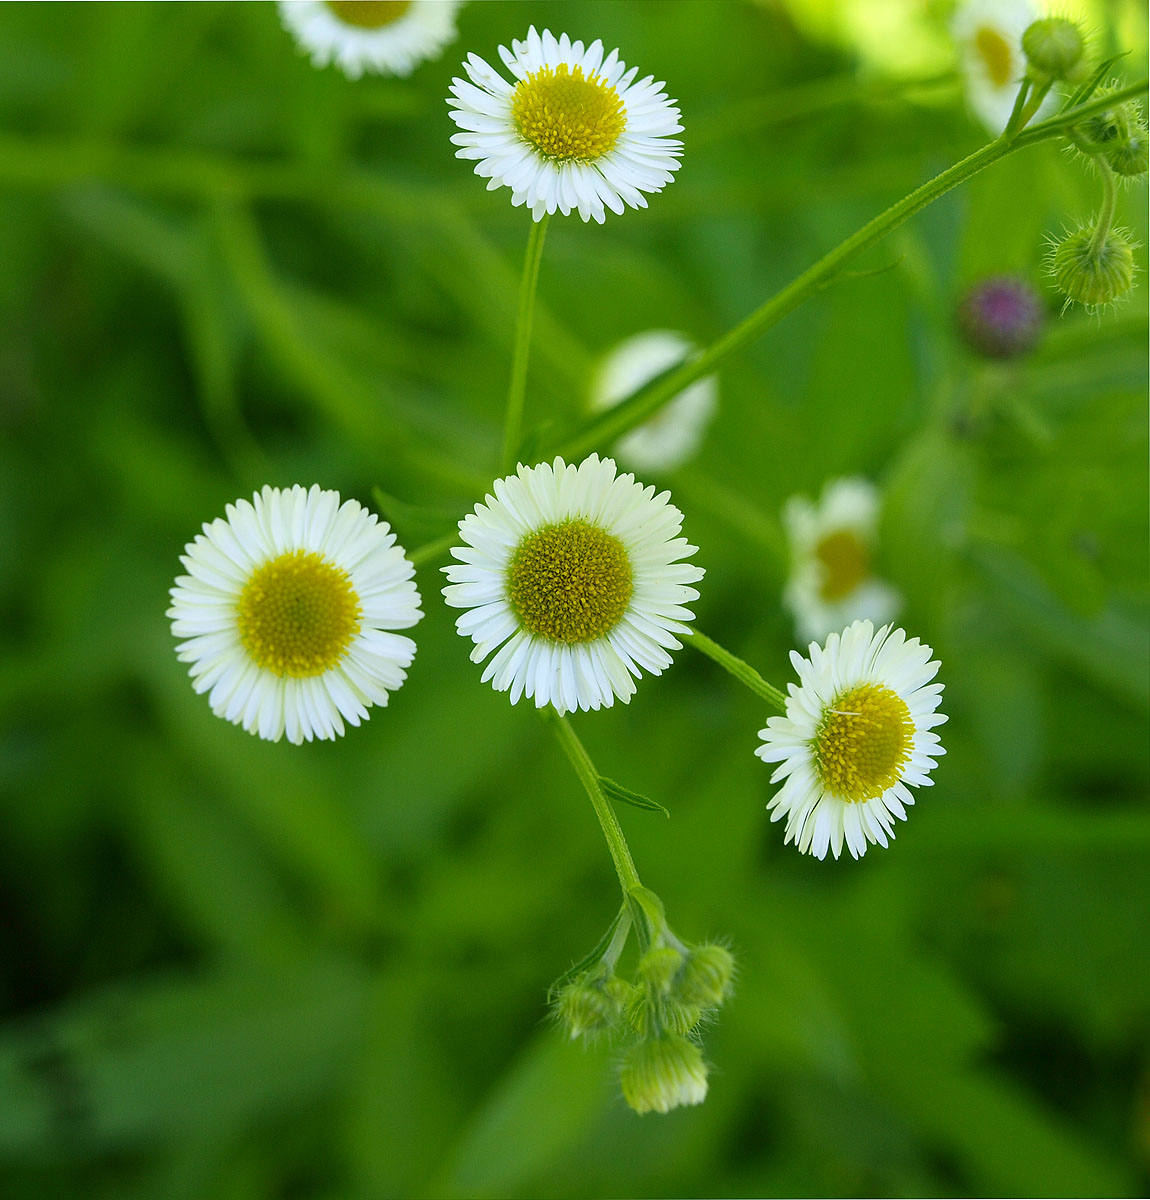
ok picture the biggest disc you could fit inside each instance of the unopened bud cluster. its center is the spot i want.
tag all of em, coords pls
(1117, 136)
(675, 988)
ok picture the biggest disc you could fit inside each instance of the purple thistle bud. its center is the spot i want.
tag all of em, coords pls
(1001, 317)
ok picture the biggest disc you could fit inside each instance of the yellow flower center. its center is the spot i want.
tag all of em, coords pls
(863, 741)
(368, 14)
(297, 614)
(996, 54)
(566, 116)
(845, 560)
(569, 582)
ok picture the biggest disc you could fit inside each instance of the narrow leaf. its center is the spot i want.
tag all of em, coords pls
(616, 791)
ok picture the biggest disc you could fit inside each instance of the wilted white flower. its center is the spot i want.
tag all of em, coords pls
(674, 434)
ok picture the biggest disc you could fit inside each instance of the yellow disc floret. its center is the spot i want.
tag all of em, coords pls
(368, 14)
(862, 742)
(297, 614)
(845, 560)
(996, 55)
(569, 582)
(567, 116)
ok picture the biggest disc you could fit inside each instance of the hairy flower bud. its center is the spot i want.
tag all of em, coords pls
(707, 976)
(587, 1007)
(1128, 154)
(1054, 47)
(1000, 317)
(1093, 275)
(662, 1073)
(658, 968)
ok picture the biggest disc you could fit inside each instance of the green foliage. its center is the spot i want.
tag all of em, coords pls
(246, 970)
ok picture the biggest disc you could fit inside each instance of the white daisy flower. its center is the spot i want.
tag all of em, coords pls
(384, 37)
(832, 543)
(572, 575)
(286, 610)
(573, 131)
(988, 34)
(674, 434)
(855, 735)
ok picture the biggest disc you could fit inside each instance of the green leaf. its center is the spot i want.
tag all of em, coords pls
(616, 791)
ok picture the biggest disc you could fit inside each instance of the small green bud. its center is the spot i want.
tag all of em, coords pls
(1093, 277)
(1054, 47)
(658, 968)
(678, 1016)
(707, 976)
(586, 1008)
(662, 1073)
(1128, 156)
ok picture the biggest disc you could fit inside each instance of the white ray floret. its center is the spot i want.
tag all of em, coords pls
(572, 577)
(573, 131)
(832, 543)
(855, 738)
(381, 37)
(286, 613)
(988, 35)
(673, 435)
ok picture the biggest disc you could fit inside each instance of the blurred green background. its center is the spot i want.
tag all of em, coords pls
(235, 969)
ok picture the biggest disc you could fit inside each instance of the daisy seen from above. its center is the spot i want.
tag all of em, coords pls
(572, 131)
(832, 543)
(382, 37)
(673, 435)
(988, 34)
(855, 738)
(286, 613)
(572, 576)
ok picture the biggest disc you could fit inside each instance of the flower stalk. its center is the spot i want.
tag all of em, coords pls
(517, 388)
(589, 777)
(742, 671)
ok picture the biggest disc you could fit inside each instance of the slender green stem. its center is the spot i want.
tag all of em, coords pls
(1109, 202)
(589, 777)
(517, 389)
(742, 671)
(1037, 95)
(1015, 121)
(606, 427)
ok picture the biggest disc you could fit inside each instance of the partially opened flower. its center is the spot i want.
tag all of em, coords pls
(988, 34)
(286, 610)
(572, 575)
(385, 37)
(574, 131)
(673, 435)
(855, 737)
(832, 542)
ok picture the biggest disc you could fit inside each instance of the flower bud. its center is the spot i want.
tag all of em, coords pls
(658, 968)
(1128, 154)
(587, 1007)
(707, 975)
(662, 1073)
(1093, 276)
(1000, 317)
(1053, 47)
